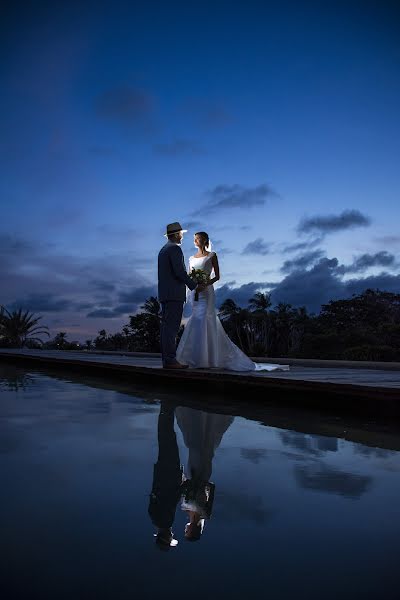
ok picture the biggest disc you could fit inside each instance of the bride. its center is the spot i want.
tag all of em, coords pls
(204, 343)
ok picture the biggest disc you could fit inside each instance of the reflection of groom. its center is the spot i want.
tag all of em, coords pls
(172, 282)
(167, 478)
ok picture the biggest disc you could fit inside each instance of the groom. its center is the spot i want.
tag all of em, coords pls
(172, 282)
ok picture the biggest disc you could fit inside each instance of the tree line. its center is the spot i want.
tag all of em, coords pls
(363, 327)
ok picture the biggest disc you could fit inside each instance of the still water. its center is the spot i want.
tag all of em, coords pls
(91, 471)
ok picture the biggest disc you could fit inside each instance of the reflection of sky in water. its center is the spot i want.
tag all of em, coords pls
(77, 465)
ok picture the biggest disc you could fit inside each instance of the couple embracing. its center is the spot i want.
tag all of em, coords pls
(204, 343)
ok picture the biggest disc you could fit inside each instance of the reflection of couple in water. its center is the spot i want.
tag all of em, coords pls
(202, 433)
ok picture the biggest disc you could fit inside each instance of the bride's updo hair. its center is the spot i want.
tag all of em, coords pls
(203, 239)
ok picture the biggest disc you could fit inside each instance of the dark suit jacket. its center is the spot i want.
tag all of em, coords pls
(172, 276)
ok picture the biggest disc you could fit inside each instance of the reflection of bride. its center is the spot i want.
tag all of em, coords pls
(204, 343)
(202, 433)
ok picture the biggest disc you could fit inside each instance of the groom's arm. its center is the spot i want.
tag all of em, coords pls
(178, 267)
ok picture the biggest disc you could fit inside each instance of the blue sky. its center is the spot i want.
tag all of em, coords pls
(274, 127)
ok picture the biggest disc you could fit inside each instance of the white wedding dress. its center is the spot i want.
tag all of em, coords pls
(204, 343)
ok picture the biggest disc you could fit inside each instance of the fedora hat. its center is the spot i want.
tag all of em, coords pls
(174, 228)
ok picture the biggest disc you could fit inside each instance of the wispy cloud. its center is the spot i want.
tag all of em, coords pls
(389, 240)
(127, 106)
(365, 261)
(302, 245)
(224, 197)
(258, 246)
(348, 219)
(193, 225)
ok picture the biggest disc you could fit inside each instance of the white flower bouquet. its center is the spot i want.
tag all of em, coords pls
(201, 278)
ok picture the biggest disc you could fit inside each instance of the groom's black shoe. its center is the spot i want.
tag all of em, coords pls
(176, 365)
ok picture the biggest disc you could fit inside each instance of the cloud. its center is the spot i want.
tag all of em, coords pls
(348, 219)
(83, 306)
(302, 287)
(241, 294)
(299, 441)
(258, 246)
(302, 245)
(324, 478)
(42, 303)
(389, 240)
(363, 262)
(104, 286)
(312, 287)
(138, 295)
(309, 286)
(323, 282)
(103, 313)
(126, 105)
(383, 281)
(207, 113)
(235, 196)
(243, 506)
(70, 285)
(111, 313)
(301, 261)
(179, 147)
(193, 226)
(221, 250)
(254, 455)
(14, 247)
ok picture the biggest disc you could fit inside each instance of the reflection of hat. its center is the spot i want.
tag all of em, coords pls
(165, 540)
(174, 228)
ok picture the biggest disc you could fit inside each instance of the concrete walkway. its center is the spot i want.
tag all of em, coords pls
(366, 387)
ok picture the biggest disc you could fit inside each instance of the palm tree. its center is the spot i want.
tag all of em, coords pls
(234, 320)
(147, 324)
(152, 306)
(260, 302)
(60, 339)
(283, 323)
(228, 308)
(17, 328)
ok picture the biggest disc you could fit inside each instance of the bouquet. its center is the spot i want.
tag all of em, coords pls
(201, 278)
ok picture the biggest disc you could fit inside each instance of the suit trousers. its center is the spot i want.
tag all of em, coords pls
(171, 316)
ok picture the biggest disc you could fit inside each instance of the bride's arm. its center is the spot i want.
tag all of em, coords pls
(214, 262)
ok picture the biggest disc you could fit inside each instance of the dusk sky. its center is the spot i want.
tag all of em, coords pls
(273, 126)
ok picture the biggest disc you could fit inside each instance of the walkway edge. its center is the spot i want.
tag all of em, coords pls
(357, 399)
(301, 362)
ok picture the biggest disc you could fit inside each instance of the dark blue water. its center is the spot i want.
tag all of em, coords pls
(284, 513)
